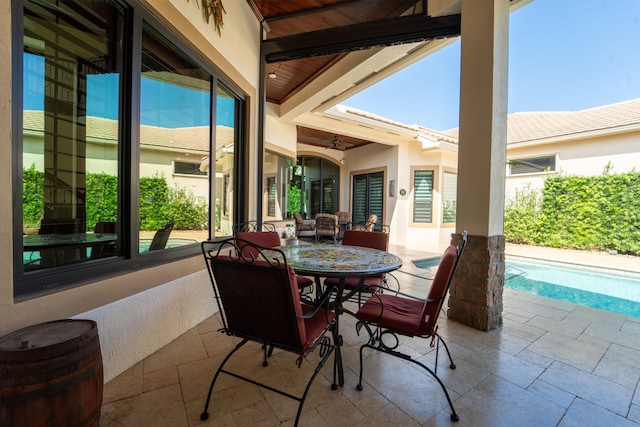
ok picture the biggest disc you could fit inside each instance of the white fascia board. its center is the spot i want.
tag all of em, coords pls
(435, 144)
(340, 111)
(349, 127)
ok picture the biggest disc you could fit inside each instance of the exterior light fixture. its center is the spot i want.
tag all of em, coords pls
(272, 75)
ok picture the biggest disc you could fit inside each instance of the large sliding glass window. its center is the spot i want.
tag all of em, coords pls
(175, 125)
(226, 142)
(116, 164)
(319, 186)
(72, 74)
(280, 196)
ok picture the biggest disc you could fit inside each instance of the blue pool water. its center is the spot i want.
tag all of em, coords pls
(609, 290)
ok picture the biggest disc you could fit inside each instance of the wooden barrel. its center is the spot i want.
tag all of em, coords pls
(51, 375)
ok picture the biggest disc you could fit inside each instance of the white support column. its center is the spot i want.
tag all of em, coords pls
(476, 296)
(483, 116)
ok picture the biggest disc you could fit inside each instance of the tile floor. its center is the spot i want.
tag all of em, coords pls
(550, 364)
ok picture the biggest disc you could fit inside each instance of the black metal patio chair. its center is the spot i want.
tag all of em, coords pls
(258, 298)
(386, 317)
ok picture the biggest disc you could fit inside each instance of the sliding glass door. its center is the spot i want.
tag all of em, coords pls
(368, 197)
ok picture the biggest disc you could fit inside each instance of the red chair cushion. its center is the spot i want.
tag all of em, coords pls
(314, 327)
(366, 239)
(304, 282)
(439, 287)
(400, 314)
(413, 317)
(267, 239)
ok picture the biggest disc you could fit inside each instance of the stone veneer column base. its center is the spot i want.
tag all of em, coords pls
(475, 296)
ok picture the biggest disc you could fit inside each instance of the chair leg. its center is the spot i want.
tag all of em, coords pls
(306, 390)
(338, 369)
(441, 340)
(454, 415)
(268, 351)
(205, 412)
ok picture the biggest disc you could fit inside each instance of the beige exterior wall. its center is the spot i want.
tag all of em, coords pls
(439, 161)
(279, 133)
(137, 313)
(587, 156)
(398, 162)
(6, 231)
(369, 159)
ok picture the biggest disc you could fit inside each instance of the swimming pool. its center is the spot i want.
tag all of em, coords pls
(610, 290)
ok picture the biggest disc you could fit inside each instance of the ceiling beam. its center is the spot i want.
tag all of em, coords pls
(392, 31)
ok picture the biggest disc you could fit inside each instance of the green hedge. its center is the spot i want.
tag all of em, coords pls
(599, 212)
(158, 203)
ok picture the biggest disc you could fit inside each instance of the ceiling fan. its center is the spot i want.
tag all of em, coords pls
(337, 144)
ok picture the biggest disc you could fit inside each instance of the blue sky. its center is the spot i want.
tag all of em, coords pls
(161, 104)
(564, 55)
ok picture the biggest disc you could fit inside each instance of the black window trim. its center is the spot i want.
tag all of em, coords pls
(514, 162)
(38, 283)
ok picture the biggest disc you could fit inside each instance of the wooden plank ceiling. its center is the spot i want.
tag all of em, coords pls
(301, 23)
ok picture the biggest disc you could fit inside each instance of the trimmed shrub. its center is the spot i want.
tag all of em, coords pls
(158, 203)
(599, 212)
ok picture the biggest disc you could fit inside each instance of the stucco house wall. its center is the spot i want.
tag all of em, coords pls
(584, 156)
(584, 142)
(367, 159)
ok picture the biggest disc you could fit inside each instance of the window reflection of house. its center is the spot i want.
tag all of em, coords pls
(163, 157)
(104, 157)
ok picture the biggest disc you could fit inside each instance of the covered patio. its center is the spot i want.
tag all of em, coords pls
(551, 363)
(521, 359)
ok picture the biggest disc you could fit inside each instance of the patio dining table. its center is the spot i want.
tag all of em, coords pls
(340, 261)
(51, 241)
(54, 247)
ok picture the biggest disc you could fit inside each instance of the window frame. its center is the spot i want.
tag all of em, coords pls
(271, 197)
(442, 221)
(435, 197)
(367, 174)
(553, 156)
(27, 285)
(307, 206)
(187, 175)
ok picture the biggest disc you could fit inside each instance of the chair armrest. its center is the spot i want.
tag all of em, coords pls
(385, 285)
(413, 297)
(418, 298)
(322, 302)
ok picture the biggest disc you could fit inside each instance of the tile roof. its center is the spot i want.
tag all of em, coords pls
(188, 138)
(522, 127)
(415, 128)
(535, 126)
